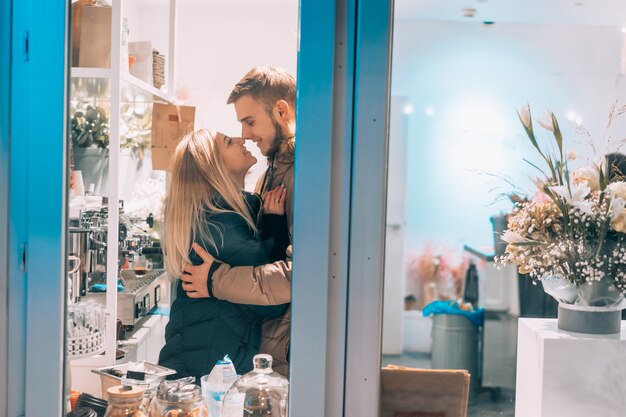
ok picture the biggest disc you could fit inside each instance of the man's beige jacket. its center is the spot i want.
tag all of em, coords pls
(267, 284)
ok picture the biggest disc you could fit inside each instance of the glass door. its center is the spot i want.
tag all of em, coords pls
(42, 211)
(5, 82)
(452, 160)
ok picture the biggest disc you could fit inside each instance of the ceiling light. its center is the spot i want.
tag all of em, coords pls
(469, 12)
(430, 112)
(408, 109)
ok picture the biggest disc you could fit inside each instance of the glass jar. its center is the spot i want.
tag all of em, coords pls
(149, 385)
(141, 265)
(124, 402)
(179, 398)
(261, 392)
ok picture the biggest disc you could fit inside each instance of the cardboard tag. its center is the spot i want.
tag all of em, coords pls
(169, 124)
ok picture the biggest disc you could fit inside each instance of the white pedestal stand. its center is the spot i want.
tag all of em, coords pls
(569, 374)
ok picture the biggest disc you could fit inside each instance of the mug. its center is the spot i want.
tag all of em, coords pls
(141, 265)
(73, 258)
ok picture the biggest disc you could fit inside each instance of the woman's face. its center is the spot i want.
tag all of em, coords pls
(236, 158)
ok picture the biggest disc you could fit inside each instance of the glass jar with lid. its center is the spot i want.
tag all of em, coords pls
(179, 398)
(261, 392)
(148, 384)
(124, 402)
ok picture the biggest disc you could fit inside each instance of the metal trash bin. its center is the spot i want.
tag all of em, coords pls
(455, 345)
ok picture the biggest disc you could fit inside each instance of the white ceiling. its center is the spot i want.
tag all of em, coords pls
(576, 12)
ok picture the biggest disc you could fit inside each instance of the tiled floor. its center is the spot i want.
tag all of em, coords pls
(488, 402)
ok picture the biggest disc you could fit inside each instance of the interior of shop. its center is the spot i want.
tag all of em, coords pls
(175, 59)
(461, 317)
(458, 159)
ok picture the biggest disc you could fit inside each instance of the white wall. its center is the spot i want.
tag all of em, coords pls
(473, 78)
(216, 44)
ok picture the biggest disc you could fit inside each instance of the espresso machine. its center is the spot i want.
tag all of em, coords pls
(87, 246)
(139, 292)
(79, 239)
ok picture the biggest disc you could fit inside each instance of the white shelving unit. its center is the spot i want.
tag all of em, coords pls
(133, 90)
(116, 85)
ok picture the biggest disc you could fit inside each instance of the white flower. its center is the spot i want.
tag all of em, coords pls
(571, 155)
(619, 224)
(617, 190)
(617, 207)
(524, 115)
(579, 192)
(545, 121)
(591, 176)
(510, 236)
(584, 206)
(539, 183)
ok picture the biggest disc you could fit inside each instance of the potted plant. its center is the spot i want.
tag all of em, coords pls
(572, 236)
(89, 130)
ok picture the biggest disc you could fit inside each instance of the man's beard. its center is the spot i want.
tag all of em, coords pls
(279, 138)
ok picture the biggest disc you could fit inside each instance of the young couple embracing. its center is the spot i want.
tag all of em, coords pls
(230, 249)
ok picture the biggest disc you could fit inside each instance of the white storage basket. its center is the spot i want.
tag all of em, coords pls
(83, 346)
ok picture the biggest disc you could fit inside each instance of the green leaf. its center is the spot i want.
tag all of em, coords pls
(602, 179)
(529, 243)
(557, 133)
(536, 167)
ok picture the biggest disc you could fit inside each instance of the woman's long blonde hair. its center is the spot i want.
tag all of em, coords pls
(198, 182)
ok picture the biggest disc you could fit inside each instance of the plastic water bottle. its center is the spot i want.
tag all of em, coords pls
(216, 383)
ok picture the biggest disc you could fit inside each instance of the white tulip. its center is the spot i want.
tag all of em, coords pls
(510, 236)
(589, 175)
(524, 115)
(571, 155)
(545, 121)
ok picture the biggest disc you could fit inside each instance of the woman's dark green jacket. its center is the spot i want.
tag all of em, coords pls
(202, 331)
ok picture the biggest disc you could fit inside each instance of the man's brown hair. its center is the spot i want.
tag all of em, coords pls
(267, 85)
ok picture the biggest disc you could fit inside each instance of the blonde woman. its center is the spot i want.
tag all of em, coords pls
(206, 206)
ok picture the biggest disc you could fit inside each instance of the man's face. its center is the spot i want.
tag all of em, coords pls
(256, 124)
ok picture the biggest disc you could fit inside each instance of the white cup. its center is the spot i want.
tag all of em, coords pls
(79, 186)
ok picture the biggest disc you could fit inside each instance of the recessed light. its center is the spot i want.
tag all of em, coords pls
(469, 12)
(579, 3)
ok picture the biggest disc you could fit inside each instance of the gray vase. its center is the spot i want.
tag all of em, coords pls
(590, 320)
(93, 163)
(598, 309)
(499, 223)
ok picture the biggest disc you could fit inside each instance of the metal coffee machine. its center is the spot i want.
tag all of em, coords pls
(87, 246)
(79, 247)
(137, 293)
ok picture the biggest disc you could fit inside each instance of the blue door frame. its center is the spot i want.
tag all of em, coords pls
(37, 200)
(343, 79)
